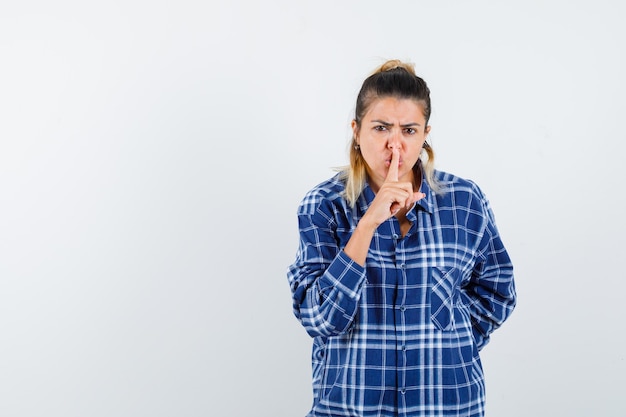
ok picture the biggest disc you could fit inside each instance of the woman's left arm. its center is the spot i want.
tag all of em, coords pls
(490, 293)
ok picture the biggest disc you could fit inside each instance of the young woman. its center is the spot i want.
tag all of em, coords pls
(401, 275)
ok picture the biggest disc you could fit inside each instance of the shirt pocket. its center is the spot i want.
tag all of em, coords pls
(444, 291)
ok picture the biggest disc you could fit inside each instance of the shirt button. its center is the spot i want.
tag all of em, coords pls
(403, 348)
(395, 236)
(403, 265)
(402, 308)
(402, 391)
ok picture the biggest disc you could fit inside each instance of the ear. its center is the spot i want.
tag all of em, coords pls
(354, 126)
(355, 130)
(427, 130)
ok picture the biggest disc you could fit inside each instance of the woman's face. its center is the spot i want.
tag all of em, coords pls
(391, 123)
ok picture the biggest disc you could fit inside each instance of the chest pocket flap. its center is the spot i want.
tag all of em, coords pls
(444, 291)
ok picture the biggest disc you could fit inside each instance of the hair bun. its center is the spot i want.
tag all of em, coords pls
(395, 64)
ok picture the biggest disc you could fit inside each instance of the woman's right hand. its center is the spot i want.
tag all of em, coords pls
(392, 195)
(390, 199)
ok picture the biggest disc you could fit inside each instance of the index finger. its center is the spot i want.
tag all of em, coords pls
(392, 174)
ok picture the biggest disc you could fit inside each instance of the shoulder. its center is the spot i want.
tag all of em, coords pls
(454, 183)
(462, 191)
(327, 193)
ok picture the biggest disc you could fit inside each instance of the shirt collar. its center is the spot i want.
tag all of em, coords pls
(426, 203)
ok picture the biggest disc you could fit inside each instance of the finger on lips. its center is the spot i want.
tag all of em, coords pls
(392, 174)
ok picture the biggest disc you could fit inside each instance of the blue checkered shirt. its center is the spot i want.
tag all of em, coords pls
(401, 336)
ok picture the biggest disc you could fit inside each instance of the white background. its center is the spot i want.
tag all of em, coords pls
(153, 154)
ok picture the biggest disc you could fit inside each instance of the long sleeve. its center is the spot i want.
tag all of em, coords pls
(490, 293)
(325, 283)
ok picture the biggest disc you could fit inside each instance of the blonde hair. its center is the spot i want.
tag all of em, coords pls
(394, 78)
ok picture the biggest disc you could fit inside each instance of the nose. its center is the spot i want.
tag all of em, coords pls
(394, 141)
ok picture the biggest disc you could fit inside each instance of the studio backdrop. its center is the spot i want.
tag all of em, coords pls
(153, 155)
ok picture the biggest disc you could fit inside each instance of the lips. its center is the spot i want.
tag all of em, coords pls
(388, 162)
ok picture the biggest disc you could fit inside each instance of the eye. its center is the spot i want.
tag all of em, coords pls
(380, 128)
(410, 131)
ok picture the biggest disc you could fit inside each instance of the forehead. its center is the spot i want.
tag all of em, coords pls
(392, 108)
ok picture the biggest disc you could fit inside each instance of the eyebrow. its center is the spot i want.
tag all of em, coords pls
(382, 122)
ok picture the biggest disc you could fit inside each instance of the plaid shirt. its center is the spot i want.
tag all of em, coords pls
(401, 336)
